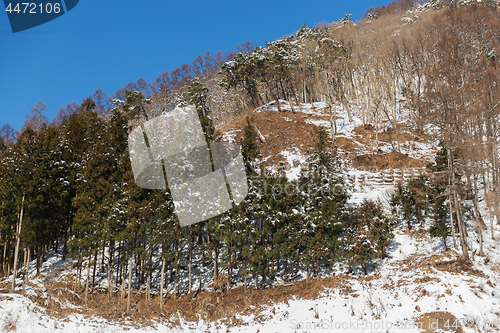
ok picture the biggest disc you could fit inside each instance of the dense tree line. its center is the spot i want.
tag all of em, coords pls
(74, 183)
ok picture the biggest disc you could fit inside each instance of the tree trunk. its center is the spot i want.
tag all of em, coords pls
(178, 268)
(148, 290)
(162, 281)
(476, 200)
(87, 283)
(480, 233)
(395, 116)
(451, 218)
(444, 243)
(16, 253)
(95, 266)
(190, 260)
(129, 283)
(80, 267)
(110, 276)
(38, 255)
(495, 173)
(216, 261)
(4, 264)
(26, 277)
(490, 208)
(461, 226)
(199, 287)
(230, 267)
(333, 124)
(294, 95)
(376, 129)
(65, 245)
(122, 292)
(278, 103)
(333, 118)
(347, 108)
(261, 137)
(118, 265)
(101, 269)
(283, 90)
(25, 270)
(74, 285)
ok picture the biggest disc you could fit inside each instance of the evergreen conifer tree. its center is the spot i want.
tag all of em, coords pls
(325, 199)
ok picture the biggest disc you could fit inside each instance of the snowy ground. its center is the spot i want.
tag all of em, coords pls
(391, 298)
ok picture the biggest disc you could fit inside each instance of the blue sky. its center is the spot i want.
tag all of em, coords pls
(106, 44)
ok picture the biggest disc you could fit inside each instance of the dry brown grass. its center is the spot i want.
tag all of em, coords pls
(366, 134)
(446, 261)
(225, 306)
(284, 131)
(392, 160)
(209, 305)
(10, 323)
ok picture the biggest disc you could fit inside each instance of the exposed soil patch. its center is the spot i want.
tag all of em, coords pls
(393, 160)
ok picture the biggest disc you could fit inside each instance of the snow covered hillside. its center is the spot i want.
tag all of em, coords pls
(420, 287)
